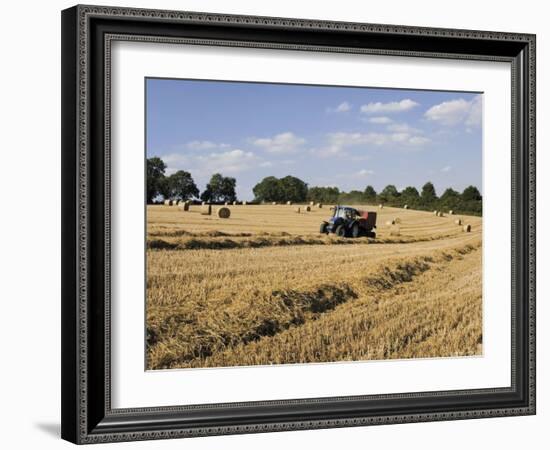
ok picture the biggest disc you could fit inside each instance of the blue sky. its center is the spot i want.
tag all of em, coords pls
(347, 137)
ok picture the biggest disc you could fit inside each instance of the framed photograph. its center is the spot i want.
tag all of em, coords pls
(278, 224)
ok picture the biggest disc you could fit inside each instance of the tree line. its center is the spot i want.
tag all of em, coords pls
(181, 186)
(469, 201)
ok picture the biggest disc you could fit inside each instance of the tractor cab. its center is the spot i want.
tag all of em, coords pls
(344, 212)
(350, 222)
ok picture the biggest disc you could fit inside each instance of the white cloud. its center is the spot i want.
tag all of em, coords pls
(379, 120)
(205, 164)
(365, 173)
(286, 142)
(418, 140)
(341, 108)
(446, 169)
(403, 128)
(339, 142)
(232, 161)
(205, 145)
(454, 112)
(390, 107)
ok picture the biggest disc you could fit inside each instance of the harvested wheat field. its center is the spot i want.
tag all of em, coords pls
(264, 287)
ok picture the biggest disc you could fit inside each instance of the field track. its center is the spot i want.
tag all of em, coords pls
(264, 287)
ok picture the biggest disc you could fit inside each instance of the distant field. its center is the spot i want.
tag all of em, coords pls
(264, 287)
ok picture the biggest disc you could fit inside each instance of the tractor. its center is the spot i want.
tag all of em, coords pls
(350, 222)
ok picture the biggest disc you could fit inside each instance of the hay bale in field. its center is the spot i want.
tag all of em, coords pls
(244, 203)
(395, 230)
(224, 213)
(273, 203)
(289, 203)
(389, 223)
(458, 221)
(380, 206)
(184, 206)
(311, 203)
(467, 228)
(440, 214)
(397, 220)
(297, 210)
(226, 203)
(319, 205)
(450, 212)
(436, 212)
(206, 210)
(406, 207)
(234, 202)
(203, 203)
(168, 202)
(308, 208)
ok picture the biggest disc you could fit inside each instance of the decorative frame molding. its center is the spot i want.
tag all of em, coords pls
(87, 34)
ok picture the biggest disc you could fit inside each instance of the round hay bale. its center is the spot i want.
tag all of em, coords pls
(203, 203)
(168, 202)
(467, 228)
(297, 210)
(273, 203)
(308, 208)
(224, 213)
(289, 203)
(319, 205)
(380, 206)
(234, 202)
(184, 206)
(450, 212)
(311, 203)
(406, 207)
(440, 214)
(435, 212)
(244, 203)
(458, 221)
(226, 203)
(389, 223)
(206, 210)
(395, 230)
(397, 220)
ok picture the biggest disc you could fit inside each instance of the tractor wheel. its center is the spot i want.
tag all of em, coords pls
(323, 228)
(340, 231)
(355, 231)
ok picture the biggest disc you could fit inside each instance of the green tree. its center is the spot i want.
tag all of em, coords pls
(155, 177)
(471, 193)
(292, 189)
(389, 194)
(410, 192)
(450, 199)
(220, 189)
(270, 189)
(227, 191)
(164, 188)
(182, 186)
(428, 194)
(323, 194)
(370, 194)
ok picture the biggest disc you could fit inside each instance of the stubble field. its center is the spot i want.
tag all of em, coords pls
(264, 287)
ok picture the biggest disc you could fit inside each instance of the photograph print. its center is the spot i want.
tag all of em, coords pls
(299, 224)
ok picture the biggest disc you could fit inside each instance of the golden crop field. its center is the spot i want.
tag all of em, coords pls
(264, 287)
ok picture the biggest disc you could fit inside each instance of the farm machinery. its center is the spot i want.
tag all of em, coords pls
(350, 222)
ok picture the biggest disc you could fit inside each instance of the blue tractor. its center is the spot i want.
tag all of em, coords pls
(350, 222)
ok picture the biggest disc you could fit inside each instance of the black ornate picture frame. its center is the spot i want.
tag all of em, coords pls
(87, 34)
